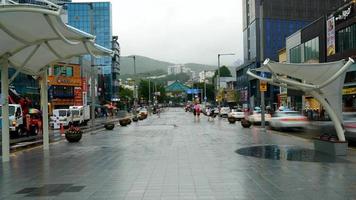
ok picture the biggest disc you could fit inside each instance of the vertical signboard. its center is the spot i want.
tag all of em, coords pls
(78, 98)
(330, 34)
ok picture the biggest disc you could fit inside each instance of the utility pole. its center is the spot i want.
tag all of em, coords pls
(135, 87)
(205, 98)
(263, 121)
(149, 92)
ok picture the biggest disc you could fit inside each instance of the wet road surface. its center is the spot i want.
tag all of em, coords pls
(175, 157)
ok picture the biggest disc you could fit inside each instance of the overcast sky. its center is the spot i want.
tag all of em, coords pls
(179, 31)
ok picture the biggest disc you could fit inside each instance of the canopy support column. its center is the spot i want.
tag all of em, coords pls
(44, 104)
(5, 110)
(332, 114)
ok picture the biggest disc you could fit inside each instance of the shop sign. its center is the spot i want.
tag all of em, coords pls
(343, 14)
(263, 86)
(84, 85)
(78, 96)
(348, 91)
(330, 35)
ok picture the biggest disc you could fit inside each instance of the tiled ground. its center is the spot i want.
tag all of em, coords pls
(173, 157)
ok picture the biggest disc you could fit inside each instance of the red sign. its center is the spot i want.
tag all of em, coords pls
(84, 85)
(78, 96)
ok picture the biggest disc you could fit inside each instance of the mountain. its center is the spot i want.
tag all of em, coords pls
(145, 65)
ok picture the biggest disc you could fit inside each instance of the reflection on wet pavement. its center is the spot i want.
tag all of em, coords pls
(287, 152)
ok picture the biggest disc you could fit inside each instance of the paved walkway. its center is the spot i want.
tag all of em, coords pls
(174, 157)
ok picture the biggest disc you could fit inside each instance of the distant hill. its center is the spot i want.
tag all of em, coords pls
(145, 65)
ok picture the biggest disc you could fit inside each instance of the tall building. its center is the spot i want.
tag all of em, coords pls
(266, 24)
(330, 38)
(95, 18)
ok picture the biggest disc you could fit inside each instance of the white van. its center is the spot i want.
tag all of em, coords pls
(80, 114)
(63, 116)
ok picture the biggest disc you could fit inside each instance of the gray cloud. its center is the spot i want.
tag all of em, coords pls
(179, 31)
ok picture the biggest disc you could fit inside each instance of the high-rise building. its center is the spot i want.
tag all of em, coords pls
(266, 24)
(95, 18)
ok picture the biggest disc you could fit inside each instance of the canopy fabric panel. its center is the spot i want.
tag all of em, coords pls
(31, 37)
(315, 74)
(323, 81)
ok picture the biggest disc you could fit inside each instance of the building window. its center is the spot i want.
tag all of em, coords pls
(69, 71)
(311, 50)
(57, 70)
(295, 54)
(63, 92)
(63, 71)
(346, 39)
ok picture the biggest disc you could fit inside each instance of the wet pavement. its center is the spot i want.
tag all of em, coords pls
(176, 157)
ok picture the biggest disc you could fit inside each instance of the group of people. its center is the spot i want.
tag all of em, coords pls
(208, 111)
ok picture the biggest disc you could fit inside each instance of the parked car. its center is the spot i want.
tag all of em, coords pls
(288, 119)
(350, 125)
(224, 111)
(255, 118)
(238, 114)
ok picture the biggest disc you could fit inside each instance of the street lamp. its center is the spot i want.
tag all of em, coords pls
(135, 88)
(218, 79)
(221, 54)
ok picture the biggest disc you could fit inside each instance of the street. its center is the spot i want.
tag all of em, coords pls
(176, 157)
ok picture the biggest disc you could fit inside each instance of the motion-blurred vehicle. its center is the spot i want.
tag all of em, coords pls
(255, 118)
(350, 125)
(288, 119)
(224, 111)
(238, 114)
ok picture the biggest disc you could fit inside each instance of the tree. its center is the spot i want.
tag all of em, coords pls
(224, 72)
(143, 90)
(209, 90)
(126, 96)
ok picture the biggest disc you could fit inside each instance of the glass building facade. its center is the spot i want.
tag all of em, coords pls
(266, 25)
(80, 16)
(276, 32)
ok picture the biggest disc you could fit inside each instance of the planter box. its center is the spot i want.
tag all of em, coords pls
(72, 138)
(124, 122)
(335, 148)
(109, 126)
(245, 123)
(231, 120)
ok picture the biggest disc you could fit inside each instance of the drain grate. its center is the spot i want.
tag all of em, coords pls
(289, 153)
(49, 190)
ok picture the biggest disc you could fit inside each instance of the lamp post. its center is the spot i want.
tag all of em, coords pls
(218, 79)
(135, 87)
(204, 87)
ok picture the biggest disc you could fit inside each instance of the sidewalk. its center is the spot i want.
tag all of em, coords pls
(175, 157)
(55, 136)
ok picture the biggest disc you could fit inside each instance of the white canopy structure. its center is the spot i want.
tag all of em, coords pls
(31, 38)
(323, 81)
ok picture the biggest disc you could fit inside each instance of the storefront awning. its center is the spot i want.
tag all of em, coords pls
(31, 37)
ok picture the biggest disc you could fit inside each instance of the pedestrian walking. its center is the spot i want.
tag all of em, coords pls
(209, 113)
(197, 110)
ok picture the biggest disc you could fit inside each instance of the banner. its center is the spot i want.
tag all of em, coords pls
(330, 35)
